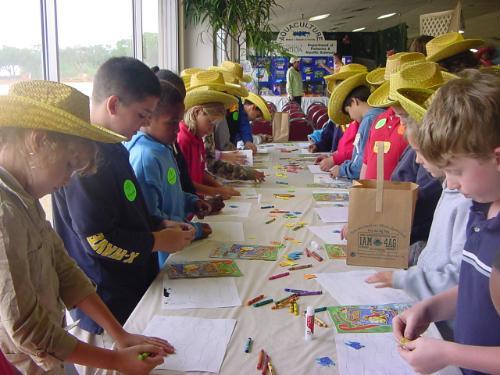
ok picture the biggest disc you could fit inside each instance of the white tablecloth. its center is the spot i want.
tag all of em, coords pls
(280, 101)
(279, 333)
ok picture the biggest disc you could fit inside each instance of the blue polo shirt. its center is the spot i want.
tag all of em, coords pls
(477, 321)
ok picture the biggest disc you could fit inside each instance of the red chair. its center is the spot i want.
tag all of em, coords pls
(297, 116)
(321, 121)
(317, 115)
(262, 127)
(313, 108)
(299, 129)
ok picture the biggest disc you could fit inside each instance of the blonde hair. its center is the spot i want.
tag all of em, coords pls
(210, 109)
(463, 119)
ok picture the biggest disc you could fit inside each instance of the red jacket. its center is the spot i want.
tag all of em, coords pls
(193, 150)
(386, 128)
(345, 146)
(6, 368)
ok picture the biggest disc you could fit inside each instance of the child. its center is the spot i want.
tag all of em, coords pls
(327, 138)
(103, 218)
(439, 262)
(344, 148)
(153, 160)
(348, 100)
(256, 109)
(45, 137)
(460, 133)
(204, 106)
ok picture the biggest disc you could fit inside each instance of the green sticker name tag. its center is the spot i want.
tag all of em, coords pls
(380, 123)
(129, 190)
(171, 176)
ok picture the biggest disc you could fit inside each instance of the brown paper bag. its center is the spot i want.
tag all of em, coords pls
(380, 219)
(281, 128)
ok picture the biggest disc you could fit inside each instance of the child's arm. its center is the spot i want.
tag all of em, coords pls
(362, 174)
(428, 355)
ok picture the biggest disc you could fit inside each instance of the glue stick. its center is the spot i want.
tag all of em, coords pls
(309, 323)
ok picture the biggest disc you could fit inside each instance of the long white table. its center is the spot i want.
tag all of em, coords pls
(279, 333)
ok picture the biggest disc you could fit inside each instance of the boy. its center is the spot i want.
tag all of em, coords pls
(153, 160)
(103, 218)
(343, 148)
(349, 100)
(461, 134)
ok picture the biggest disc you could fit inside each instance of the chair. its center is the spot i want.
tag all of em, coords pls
(299, 129)
(321, 121)
(262, 127)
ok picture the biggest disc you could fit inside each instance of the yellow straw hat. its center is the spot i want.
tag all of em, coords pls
(205, 95)
(425, 75)
(340, 93)
(215, 80)
(261, 104)
(376, 77)
(448, 45)
(396, 61)
(54, 107)
(229, 77)
(237, 70)
(346, 71)
(414, 101)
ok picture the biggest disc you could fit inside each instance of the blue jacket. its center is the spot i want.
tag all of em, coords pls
(352, 168)
(239, 125)
(329, 137)
(106, 227)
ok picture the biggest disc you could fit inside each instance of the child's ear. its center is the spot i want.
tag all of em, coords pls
(112, 104)
(35, 141)
(496, 154)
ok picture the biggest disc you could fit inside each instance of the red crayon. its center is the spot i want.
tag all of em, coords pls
(316, 256)
(261, 359)
(279, 275)
(256, 299)
(295, 268)
(308, 252)
(264, 364)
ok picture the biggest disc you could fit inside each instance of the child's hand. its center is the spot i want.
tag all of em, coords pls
(266, 138)
(381, 279)
(319, 158)
(227, 192)
(411, 323)
(234, 157)
(251, 146)
(175, 239)
(205, 230)
(129, 339)
(326, 164)
(425, 355)
(128, 362)
(312, 147)
(217, 204)
(202, 208)
(259, 176)
(334, 172)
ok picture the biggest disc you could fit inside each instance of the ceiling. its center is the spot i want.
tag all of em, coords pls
(482, 17)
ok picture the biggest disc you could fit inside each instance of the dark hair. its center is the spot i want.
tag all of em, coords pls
(459, 62)
(418, 44)
(169, 96)
(126, 77)
(361, 93)
(338, 55)
(248, 102)
(155, 69)
(172, 78)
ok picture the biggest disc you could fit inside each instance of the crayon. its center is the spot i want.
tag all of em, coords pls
(287, 298)
(143, 356)
(265, 365)
(310, 293)
(262, 303)
(264, 207)
(261, 359)
(316, 256)
(282, 182)
(270, 221)
(295, 268)
(308, 252)
(319, 322)
(254, 300)
(319, 309)
(248, 345)
(298, 227)
(279, 275)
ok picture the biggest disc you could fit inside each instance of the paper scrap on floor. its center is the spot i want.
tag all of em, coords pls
(336, 213)
(329, 233)
(227, 231)
(200, 344)
(199, 294)
(350, 288)
(314, 168)
(377, 354)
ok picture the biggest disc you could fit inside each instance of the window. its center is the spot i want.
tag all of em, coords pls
(90, 32)
(150, 32)
(20, 42)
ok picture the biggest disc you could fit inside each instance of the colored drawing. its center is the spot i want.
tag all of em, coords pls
(250, 252)
(335, 251)
(331, 197)
(211, 268)
(365, 319)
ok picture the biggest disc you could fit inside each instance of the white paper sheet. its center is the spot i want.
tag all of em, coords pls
(200, 344)
(235, 208)
(330, 234)
(248, 193)
(314, 168)
(199, 294)
(323, 179)
(350, 288)
(227, 231)
(248, 154)
(336, 213)
(378, 357)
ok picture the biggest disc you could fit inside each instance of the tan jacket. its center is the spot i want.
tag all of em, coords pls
(37, 278)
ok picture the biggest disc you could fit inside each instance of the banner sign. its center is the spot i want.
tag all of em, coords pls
(303, 38)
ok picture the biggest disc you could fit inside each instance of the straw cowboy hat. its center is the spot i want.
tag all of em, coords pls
(396, 61)
(207, 87)
(261, 104)
(215, 80)
(344, 72)
(229, 77)
(425, 75)
(187, 73)
(237, 70)
(449, 44)
(376, 77)
(414, 101)
(54, 107)
(340, 93)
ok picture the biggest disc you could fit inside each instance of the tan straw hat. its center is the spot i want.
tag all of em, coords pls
(376, 77)
(448, 45)
(425, 75)
(205, 95)
(396, 61)
(414, 101)
(237, 70)
(54, 107)
(346, 71)
(340, 93)
(215, 80)
(261, 104)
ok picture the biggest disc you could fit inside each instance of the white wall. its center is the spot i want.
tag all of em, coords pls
(197, 46)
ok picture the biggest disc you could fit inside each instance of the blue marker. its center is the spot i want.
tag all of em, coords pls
(354, 344)
(248, 345)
